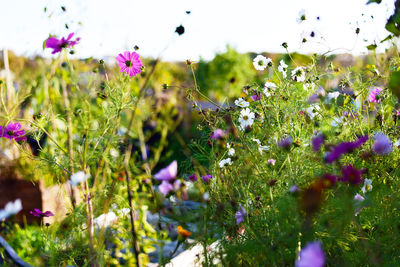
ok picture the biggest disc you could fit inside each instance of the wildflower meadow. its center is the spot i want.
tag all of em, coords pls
(247, 159)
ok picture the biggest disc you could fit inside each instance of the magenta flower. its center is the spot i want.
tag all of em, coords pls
(130, 63)
(218, 134)
(343, 148)
(38, 213)
(58, 44)
(382, 144)
(256, 97)
(193, 178)
(351, 175)
(165, 187)
(311, 255)
(240, 214)
(206, 178)
(374, 95)
(317, 142)
(168, 173)
(12, 131)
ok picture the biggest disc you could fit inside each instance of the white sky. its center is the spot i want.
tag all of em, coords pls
(111, 26)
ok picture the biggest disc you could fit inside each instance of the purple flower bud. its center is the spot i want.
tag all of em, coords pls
(317, 142)
(193, 178)
(206, 178)
(285, 142)
(382, 144)
(240, 214)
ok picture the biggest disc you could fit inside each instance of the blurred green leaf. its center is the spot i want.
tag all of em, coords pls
(394, 83)
(374, 1)
(372, 47)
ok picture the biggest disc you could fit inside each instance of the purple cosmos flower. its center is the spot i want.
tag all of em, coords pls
(12, 131)
(168, 173)
(345, 147)
(240, 214)
(311, 255)
(317, 142)
(58, 44)
(165, 187)
(193, 178)
(38, 213)
(218, 134)
(382, 144)
(374, 95)
(206, 178)
(285, 142)
(330, 179)
(272, 162)
(351, 175)
(130, 63)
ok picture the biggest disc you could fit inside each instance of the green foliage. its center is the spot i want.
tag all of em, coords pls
(225, 75)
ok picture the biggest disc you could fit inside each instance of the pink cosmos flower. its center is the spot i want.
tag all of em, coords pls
(58, 44)
(130, 63)
(165, 187)
(38, 213)
(12, 131)
(374, 95)
(272, 162)
(218, 134)
(168, 173)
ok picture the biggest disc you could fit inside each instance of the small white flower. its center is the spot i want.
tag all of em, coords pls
(114, 153)
(299, 74)
(336, 121)
(260, 147)
(312, 110)
(269, 87)
(260, 62)
(78, 177)
(397, 143)
(302, 16)
(224, 162)
(282, 68)
(240, 102)
(309, 86)
(231, 150)
(105, 220)
(367, 186)
(206, 196)
(246, 118)
(330, 96)
(11, 208)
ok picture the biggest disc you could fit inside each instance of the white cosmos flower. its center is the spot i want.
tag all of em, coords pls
(312, 110)
(240, 102)
(78, 177)
(246, 118)
(260, 147)
(269, 87)
(299, 74)
(224, 162)
(308, 86)
(105, 220)
(231, 150)
(282, 68)
(330, 96)
(367, 186)
(11, 208)
(260, 62)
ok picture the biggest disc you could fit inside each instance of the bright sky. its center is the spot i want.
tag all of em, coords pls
(111, 26)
